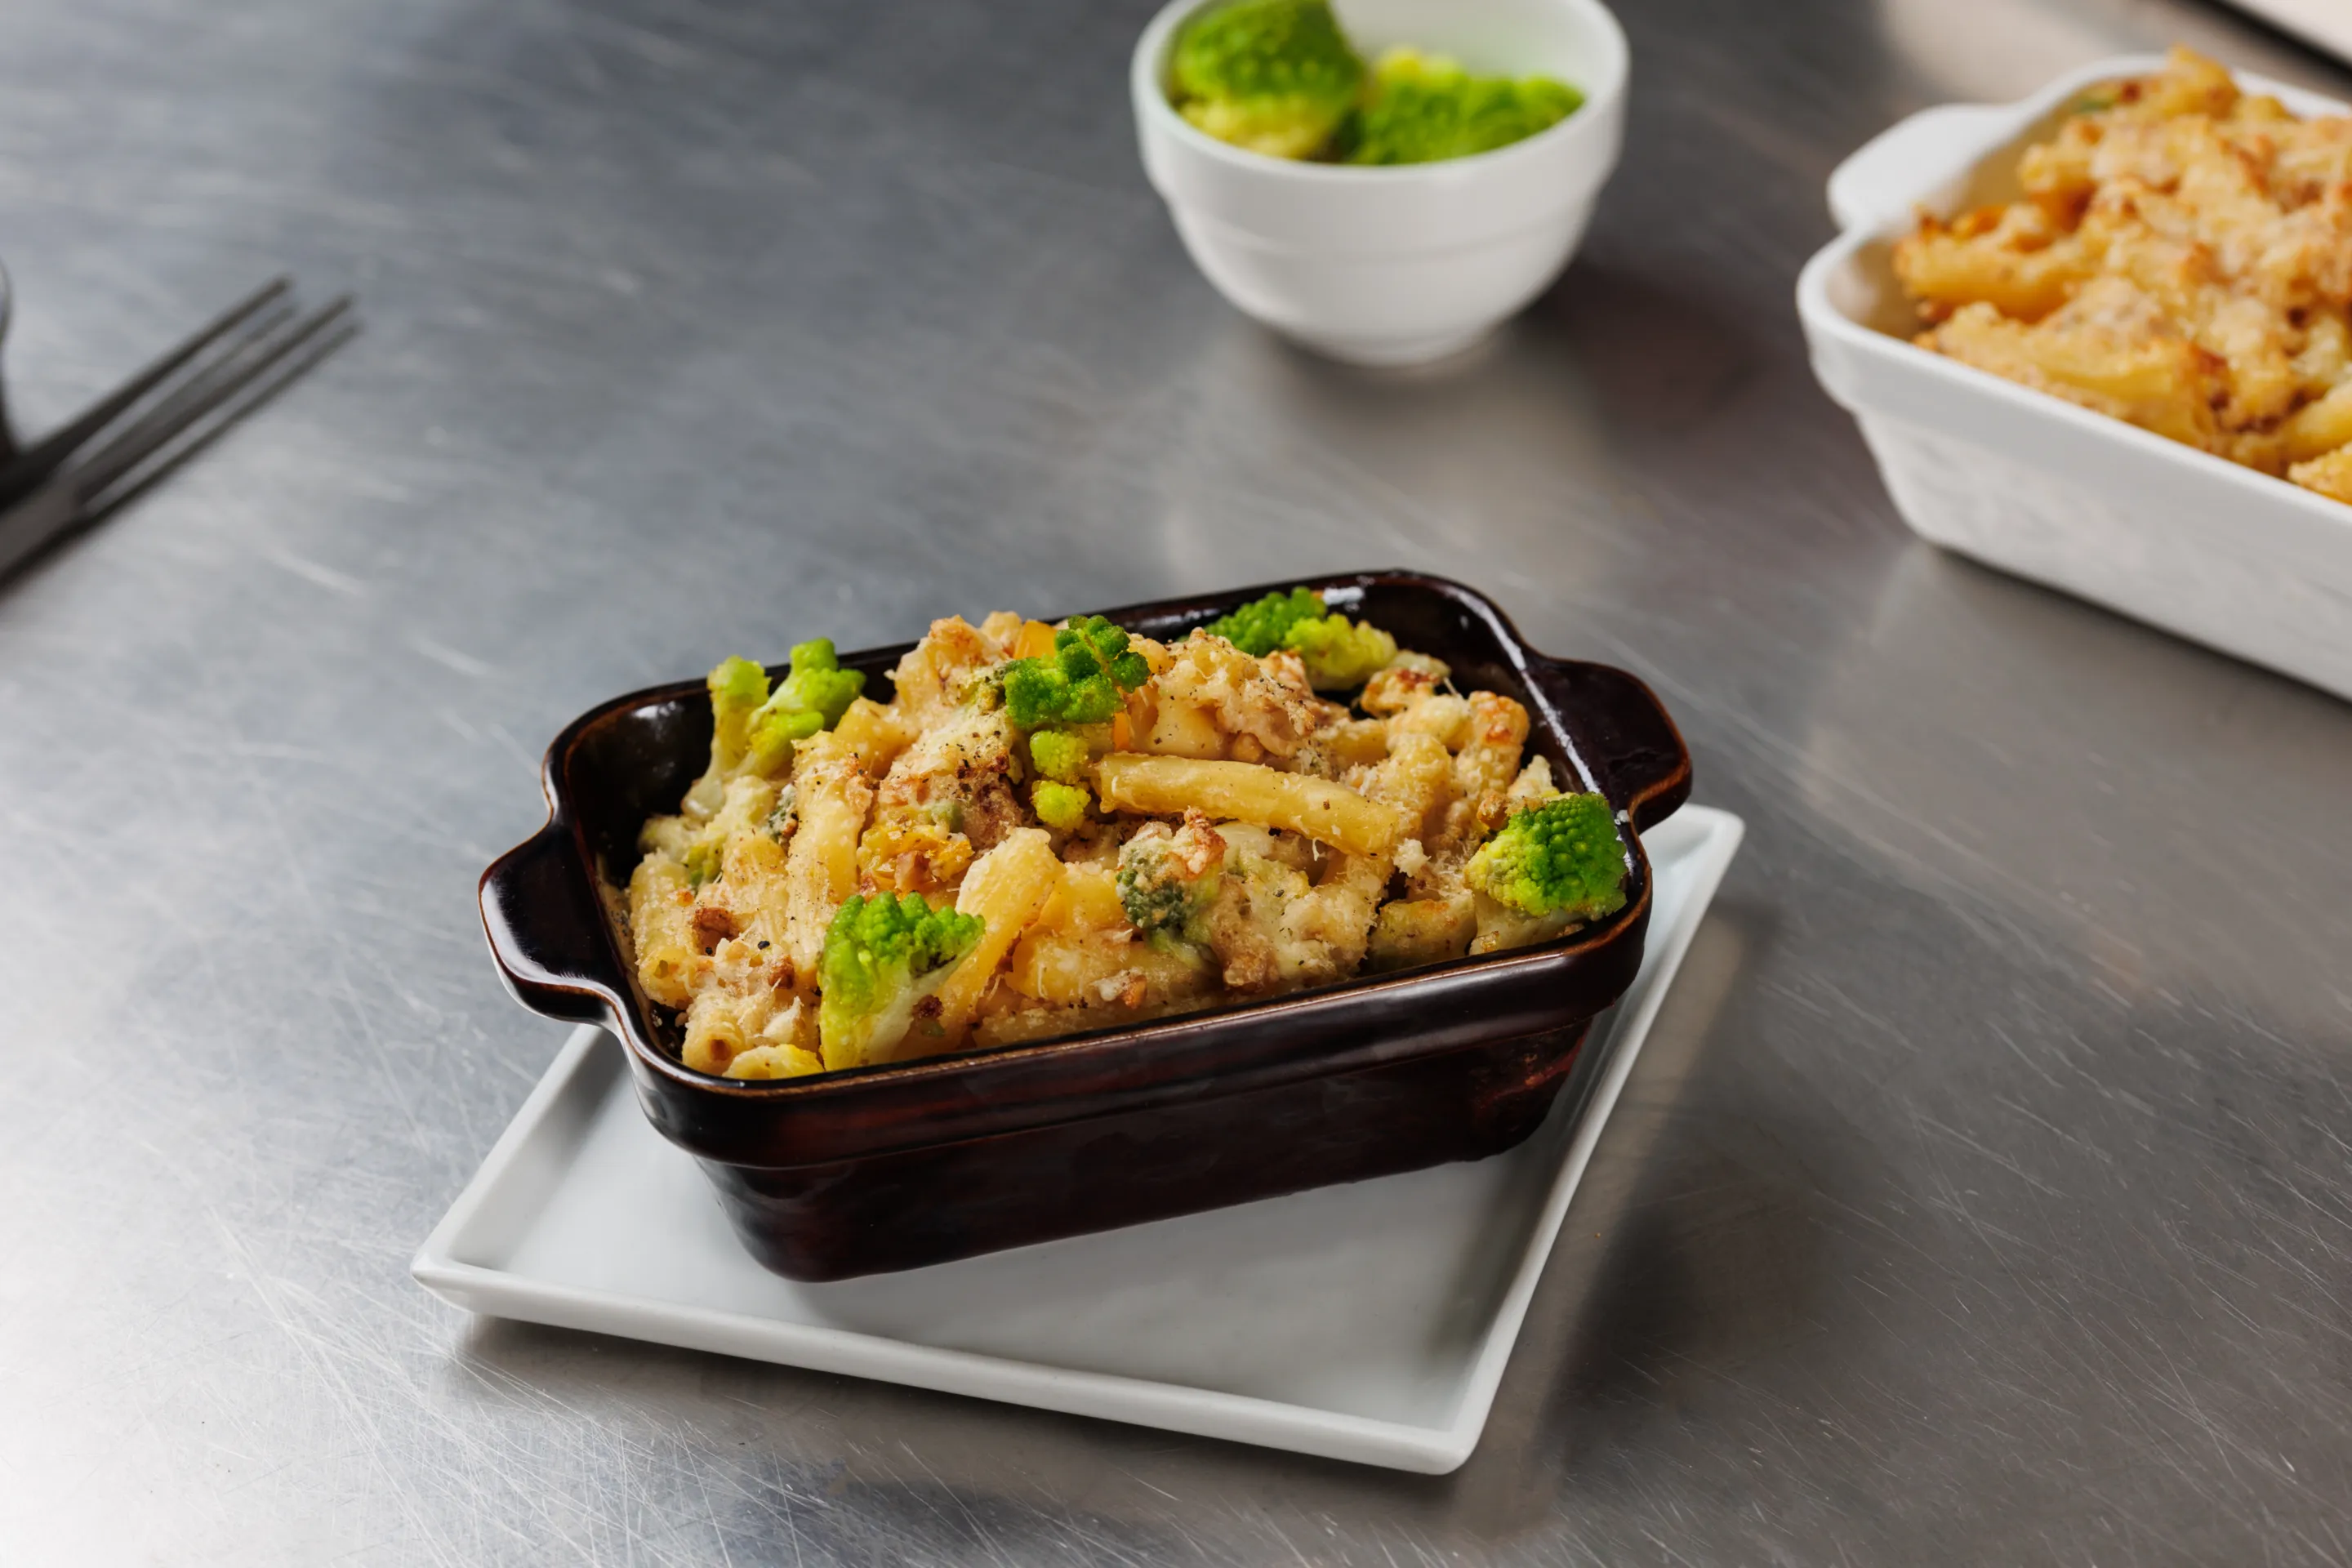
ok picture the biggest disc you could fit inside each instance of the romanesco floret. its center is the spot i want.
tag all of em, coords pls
(1274, 76)
(1061, 758)
(737, 687)
(1338, 653)
(1562, 856)
(1258, 627)
(774, 732)
(883, 957)
(814, 697)
(1168, 880)
(1059, 755)
(752, 731)
(1060, 807)
(818, 683)
(1425, 108)
(1083, 683)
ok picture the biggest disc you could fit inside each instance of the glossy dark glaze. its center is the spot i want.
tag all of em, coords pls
(893, 1167)
(882, 1212)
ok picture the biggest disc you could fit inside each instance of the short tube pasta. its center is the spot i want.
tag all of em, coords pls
(832, 795)
(1007, 888)
(1328, 812)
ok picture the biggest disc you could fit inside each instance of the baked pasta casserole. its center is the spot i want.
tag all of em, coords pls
(2182, 259)
(1054, 828)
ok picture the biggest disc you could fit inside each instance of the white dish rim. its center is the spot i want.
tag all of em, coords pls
(2331, 35)
(1997, 125)
(1396, 1445)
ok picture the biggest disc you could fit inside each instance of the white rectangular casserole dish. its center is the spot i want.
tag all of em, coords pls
(2323, 23)
(2032, 484)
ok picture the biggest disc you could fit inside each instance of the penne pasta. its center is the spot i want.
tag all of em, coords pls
(1325, 811)
(661, 912)
(832, 797)
(1006, 890)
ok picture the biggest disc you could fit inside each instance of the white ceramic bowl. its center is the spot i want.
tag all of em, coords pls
(1396, 266)
(2033, 484)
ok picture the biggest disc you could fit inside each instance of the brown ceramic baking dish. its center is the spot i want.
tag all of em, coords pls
(894, 1167)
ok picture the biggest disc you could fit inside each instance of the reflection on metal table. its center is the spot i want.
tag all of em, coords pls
(1979, 1194)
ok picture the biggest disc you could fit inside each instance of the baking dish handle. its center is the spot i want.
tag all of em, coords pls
(1624, 735)
(547, 928)
(1880, 179)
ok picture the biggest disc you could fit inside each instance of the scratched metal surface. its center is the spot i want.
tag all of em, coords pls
(1982, 1195)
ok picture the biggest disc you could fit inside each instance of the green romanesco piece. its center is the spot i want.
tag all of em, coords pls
(1060, 755)
(1165, 884)
(1561, 856)
(774, 733)
(818, 683)
(1258, 627)
(1338, 653)
(1060, 807)
(1277, 77)
(1425, 108)
(882, 957)
(814, 697)
(737, 687)
(1085, 682)
(754, 732)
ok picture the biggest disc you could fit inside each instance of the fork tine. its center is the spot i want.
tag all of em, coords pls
(45, 457)
(207, 392)
(295, 354)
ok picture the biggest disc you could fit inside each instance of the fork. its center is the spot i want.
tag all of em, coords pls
(73, 479)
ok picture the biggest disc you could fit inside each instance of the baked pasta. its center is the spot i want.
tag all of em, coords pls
(2182, 259)
(1054, 828)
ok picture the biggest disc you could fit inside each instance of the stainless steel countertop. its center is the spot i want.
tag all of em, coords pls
(1983, 1195)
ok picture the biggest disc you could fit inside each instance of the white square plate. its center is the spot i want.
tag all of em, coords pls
(1369, 1322)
